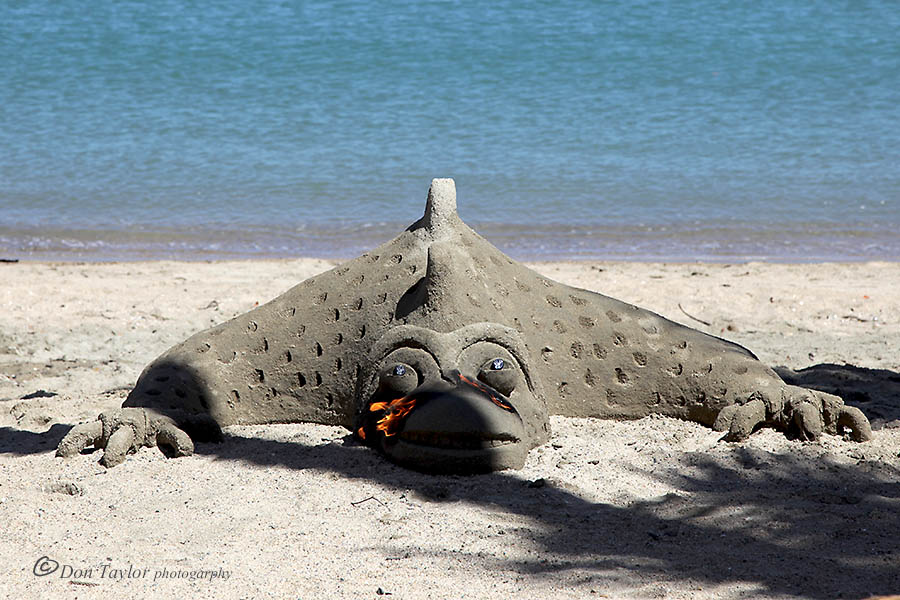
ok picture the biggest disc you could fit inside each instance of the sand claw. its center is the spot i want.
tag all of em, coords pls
(745, 419)
(836, 417)
(80, 437)
(853, 419)
(725, 417)
(122, 432)
(808, 421)
(807, 413)
(174, 441)
(120, 443)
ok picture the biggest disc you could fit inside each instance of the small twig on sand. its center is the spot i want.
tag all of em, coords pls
(358, 502)
(855, 318)
(708, 324)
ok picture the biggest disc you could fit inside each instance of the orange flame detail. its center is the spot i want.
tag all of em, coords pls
(397, 410)
(500, 403)
(361, 433)
(376, 406)
(482, 388)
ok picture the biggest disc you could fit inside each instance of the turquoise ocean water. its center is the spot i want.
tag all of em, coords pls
(705, 130)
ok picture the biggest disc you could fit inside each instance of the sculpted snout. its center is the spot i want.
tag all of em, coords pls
(458, 425)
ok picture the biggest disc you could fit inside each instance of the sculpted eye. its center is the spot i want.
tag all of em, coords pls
(400, 379)
(500, 375)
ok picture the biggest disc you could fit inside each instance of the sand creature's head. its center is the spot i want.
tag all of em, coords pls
(447, 387)
(459, 401)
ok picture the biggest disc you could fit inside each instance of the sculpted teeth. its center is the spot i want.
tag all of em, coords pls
(457, 441)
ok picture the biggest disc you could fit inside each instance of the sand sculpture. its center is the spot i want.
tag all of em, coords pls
(447, 356)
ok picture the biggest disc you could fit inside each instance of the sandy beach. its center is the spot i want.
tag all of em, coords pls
(654, 508)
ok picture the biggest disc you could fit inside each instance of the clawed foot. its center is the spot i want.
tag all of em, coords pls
(807, 413)
(122, 432)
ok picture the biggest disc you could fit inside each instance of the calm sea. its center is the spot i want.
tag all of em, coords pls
(193, 129)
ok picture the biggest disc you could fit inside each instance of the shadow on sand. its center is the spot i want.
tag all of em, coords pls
(816, 529)
(20, 441)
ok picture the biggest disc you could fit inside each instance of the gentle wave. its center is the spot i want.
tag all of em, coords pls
(697, 242)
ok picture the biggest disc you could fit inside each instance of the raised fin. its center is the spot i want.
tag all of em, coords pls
(440, 216)
(439, 294)
(445, 277)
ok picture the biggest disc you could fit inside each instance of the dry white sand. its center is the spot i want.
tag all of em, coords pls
(642, 509)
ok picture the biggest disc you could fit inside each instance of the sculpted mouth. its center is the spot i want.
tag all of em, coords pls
(458, 426)
(458, 440)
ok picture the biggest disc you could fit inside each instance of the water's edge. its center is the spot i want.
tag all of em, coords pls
(704, 242)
